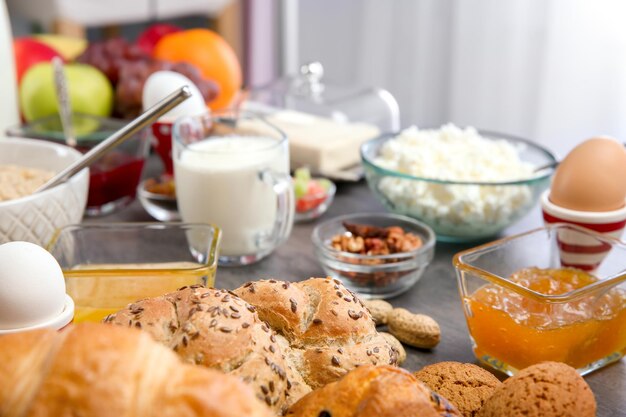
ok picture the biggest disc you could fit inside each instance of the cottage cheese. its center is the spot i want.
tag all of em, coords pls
(455, 154)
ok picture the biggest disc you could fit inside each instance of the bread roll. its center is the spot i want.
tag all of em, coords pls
(326, 325)
(219, 330)
(381, 391)
(283, 338)
(95, 370)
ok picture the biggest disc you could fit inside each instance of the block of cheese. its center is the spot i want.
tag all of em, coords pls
(327, 146)
(322, 144)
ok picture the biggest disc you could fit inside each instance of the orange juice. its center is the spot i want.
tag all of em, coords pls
(99, 290)
(519, 330)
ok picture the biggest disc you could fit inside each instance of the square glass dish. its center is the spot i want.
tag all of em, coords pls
(114, 177)
(108, 266)
(525, 303)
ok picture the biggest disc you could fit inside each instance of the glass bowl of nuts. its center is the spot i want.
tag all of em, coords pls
(377, 255)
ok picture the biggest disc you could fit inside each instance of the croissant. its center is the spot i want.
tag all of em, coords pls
(98, 370)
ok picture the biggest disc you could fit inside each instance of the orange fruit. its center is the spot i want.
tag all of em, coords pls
(213, 56)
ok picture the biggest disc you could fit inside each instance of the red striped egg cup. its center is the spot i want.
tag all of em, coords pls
(577, 249)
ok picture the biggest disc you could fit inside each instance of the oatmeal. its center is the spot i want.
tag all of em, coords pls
(17, 181)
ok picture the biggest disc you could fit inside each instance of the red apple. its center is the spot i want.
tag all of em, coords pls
(149, 37)
(29, 52)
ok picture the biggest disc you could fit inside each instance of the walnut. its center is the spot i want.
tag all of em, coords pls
(376, 246)
(348, 243)
(409, 243)
(402, 242)
(374, 240)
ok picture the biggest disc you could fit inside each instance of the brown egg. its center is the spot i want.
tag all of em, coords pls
(592, 177)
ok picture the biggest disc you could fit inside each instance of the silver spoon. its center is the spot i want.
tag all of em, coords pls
(143, 120)
(547, 166)
(63, 99)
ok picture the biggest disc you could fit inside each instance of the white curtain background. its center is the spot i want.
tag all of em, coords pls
(553, 71)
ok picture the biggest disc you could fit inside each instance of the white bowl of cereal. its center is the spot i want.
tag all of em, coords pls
(25, 164)
(467, 185)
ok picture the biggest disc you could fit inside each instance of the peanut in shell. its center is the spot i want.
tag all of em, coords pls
(416, 330)
(379, 309)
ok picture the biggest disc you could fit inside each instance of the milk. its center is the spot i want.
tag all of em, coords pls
(220, 181)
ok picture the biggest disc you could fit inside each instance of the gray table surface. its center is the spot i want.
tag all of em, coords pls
(435, 294)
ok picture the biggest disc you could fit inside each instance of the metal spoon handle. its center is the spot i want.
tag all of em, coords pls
(63, 99)
(143, 120)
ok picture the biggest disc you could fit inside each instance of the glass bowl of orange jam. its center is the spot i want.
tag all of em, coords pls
(536, 297)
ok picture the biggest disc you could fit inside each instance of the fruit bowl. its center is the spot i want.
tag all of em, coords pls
(313, 195)
(313, 205)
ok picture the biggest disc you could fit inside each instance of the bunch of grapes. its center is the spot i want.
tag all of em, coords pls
(128, 67)
(109, 56)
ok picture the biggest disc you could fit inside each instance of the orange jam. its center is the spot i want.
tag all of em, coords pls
(514, 330)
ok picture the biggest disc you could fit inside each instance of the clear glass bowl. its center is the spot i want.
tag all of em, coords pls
(318, 203)
(108, 266)
(374, 276)
(512, 326)
(450, 218)
(162, 207)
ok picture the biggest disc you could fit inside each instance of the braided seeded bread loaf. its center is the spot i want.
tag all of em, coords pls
(94, 370)
(367, 391)
(283, 338)
(328, 329)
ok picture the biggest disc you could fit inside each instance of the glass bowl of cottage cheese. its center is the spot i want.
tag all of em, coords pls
(466, 184)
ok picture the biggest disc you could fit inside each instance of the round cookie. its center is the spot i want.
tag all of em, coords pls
(465, 385)
(548, 389)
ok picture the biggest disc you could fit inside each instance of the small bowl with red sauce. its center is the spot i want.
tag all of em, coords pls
(113, 179)
(524, 303)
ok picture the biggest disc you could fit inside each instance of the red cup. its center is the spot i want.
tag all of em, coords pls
(578, 250)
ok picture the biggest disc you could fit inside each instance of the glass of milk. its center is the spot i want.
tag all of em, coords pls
(232, 170)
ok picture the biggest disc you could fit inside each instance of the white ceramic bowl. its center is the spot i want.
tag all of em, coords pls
(35, 218)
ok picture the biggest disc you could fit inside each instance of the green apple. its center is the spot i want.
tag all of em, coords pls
(89, 89)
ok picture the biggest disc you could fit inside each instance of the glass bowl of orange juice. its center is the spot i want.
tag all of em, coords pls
(108, 266)
(557, 293)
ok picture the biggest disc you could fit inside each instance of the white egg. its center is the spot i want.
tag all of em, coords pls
(32, 287)
(162, 83)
